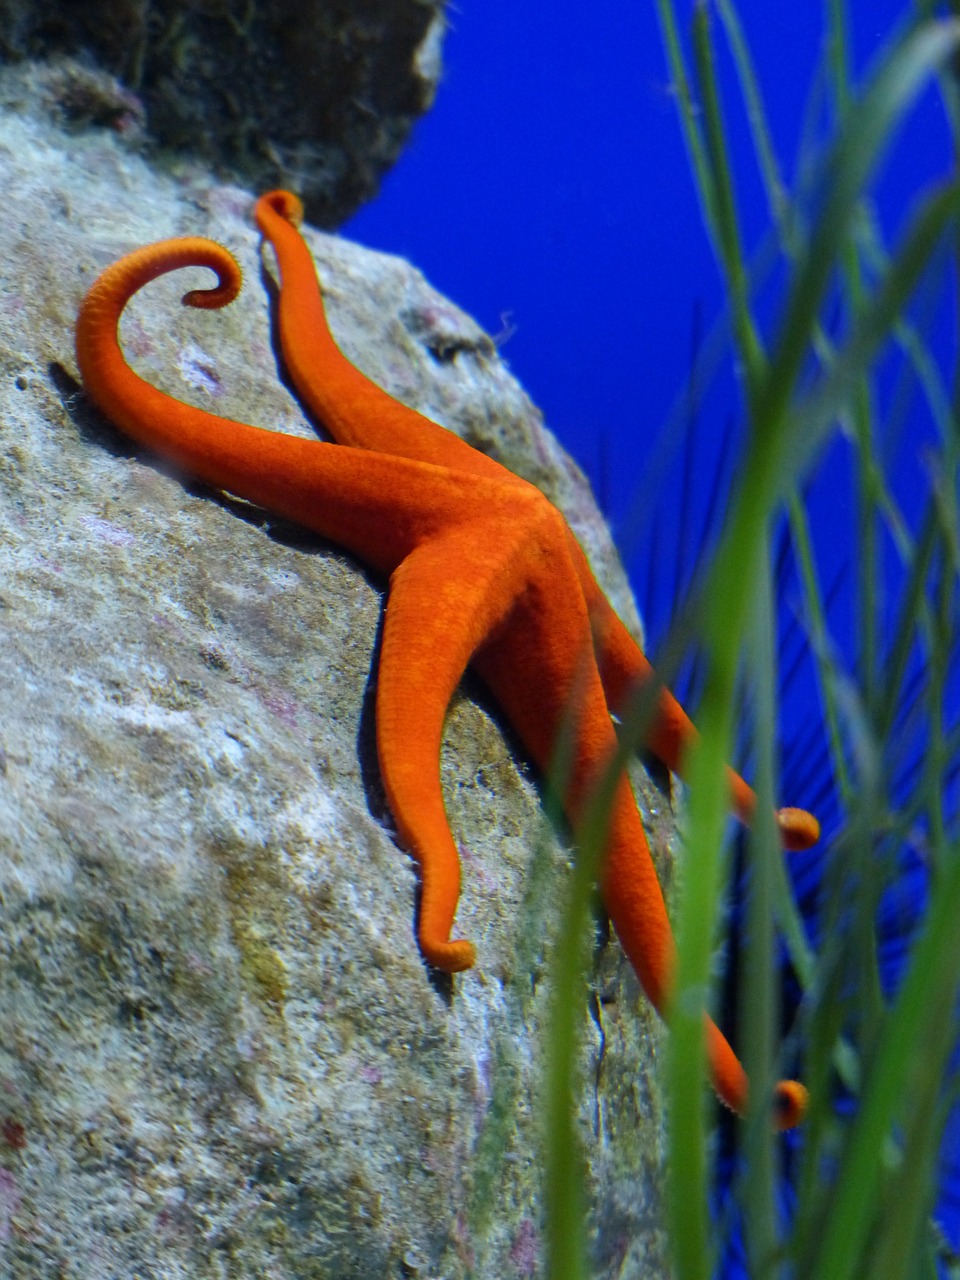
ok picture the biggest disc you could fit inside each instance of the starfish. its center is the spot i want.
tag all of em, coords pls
(483, 570)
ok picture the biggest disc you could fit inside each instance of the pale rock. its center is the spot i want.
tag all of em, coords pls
(221, 1054)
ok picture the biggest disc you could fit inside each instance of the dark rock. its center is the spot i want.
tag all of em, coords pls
(317, 95)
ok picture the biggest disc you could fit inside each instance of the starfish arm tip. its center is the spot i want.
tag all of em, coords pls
(282, 203)
(790, 1104)
(451, 956)
(798, 829)
(212, 299)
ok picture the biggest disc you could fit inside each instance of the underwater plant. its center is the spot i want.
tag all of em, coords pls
(849, 396)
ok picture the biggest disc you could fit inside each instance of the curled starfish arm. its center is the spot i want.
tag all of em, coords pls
(120, 393)
(352, 408)
(378, 507)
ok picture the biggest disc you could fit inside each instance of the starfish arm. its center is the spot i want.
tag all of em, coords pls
(435, 620)
(633, 899)
(790, 1098)
(540, 666)
(541, 669)
(352, 408)
(624, 668)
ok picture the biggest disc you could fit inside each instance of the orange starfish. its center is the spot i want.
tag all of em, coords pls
(483, 569)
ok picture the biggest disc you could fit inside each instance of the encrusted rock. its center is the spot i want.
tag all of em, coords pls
(220, 1052)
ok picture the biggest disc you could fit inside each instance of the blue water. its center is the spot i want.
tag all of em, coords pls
(549, 193)
(548, 190)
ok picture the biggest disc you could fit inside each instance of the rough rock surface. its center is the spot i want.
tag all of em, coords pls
(315, 94)
(220, 1052)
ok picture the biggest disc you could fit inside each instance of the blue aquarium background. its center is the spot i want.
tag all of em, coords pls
(549, 193)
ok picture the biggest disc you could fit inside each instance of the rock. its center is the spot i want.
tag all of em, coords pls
(300, 93)
(220, 1051)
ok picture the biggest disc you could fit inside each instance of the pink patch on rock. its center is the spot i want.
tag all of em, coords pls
(199, 370)
(107, 531)
(525, 1250)
(137, 340)
(283, 707)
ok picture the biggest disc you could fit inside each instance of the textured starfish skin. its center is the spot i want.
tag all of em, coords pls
(483, 570)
